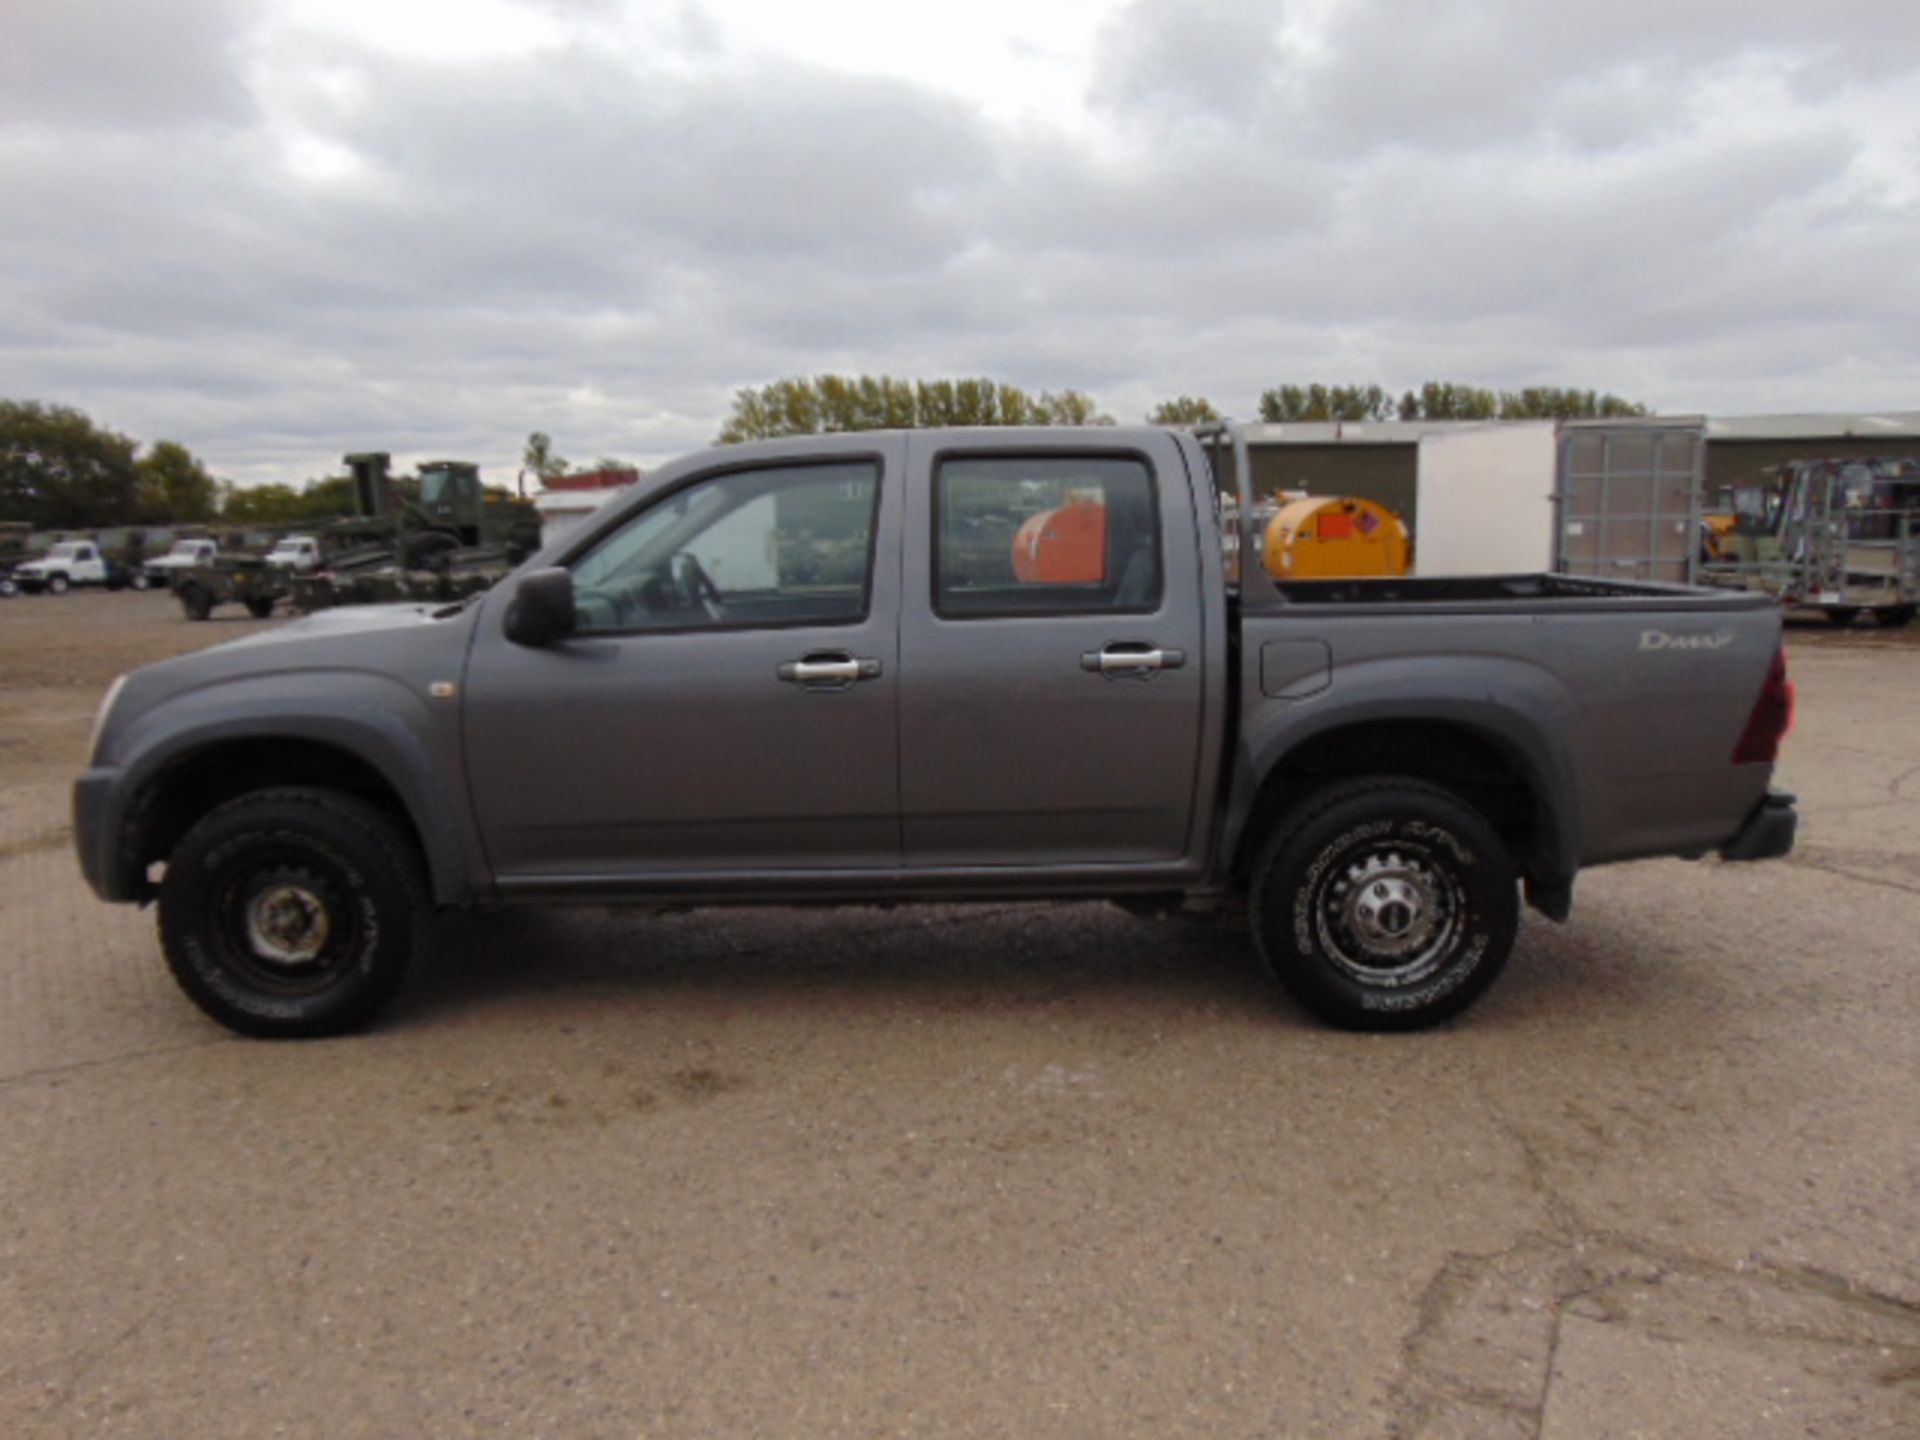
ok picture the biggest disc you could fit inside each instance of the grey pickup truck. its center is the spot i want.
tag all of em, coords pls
(934, 666)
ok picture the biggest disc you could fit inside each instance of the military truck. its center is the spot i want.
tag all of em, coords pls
(241, 578)
(450, 542)
(1828, 537)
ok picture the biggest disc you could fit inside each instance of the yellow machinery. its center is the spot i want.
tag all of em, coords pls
(1328, 537)
(1715, 527)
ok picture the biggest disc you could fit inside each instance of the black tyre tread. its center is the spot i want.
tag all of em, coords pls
(403, 860)
(1318, 802)
(1296, 820)
(260, 607)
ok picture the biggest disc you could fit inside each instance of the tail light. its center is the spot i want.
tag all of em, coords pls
(1771, 719)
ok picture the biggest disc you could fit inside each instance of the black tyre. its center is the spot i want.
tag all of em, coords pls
(58, 585)
(195, 600)
(1384, 904)
(260, 606)
(1841, 616)
(1893, 617)
(138, 580)
(292, 912)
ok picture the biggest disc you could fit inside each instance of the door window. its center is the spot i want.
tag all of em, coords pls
(1045, 535)
(786, 545)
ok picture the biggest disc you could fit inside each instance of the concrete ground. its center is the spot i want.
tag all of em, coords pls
(1015, 1170)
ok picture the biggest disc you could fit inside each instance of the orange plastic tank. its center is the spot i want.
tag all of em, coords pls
(1326, 537)
(1063, 546)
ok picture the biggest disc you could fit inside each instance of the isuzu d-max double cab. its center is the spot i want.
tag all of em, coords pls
(934, 666)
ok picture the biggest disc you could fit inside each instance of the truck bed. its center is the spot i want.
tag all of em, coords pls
(1501, 590)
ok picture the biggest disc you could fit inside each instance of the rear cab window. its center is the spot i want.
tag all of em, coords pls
(1052, 534)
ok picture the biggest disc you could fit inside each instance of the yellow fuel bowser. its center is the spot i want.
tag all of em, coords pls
(1329, 537)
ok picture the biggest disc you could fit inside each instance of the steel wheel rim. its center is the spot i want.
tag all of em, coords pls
(1390, 913)
(284, 924)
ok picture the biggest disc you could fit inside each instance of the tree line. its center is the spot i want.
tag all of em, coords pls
(832, 404)
(1439, 400)
(59, 470)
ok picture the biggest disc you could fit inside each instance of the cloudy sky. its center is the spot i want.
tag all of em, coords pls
(278, 230)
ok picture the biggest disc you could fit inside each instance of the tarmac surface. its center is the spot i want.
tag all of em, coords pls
(1022, 1170)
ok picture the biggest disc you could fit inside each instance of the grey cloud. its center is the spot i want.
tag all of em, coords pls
(607, 248)
(106, 63)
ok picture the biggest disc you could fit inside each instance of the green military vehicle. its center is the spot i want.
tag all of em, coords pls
(1828, 537)
(240, 572)
(449, 542)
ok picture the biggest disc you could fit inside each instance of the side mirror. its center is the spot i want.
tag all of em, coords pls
(541, 610)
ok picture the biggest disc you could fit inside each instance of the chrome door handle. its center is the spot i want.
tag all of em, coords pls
(829, 672)
(1115, 660)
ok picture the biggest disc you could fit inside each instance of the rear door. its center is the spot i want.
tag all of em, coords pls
(728, 704)
(1052, 668)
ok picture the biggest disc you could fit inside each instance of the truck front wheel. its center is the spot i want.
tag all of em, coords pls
(57, 584)
(1384, 904)
(292, 912)
(195, 600)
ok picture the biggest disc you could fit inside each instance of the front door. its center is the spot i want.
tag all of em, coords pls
(728, 703)
(1052, 659)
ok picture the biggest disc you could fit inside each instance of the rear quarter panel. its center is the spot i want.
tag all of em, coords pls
(1624, 715)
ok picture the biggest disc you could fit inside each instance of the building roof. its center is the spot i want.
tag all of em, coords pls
(592, 480)
(571, 502)
(1891, 424)
(1368, 432)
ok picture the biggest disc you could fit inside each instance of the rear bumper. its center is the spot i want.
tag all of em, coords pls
(1768, 832)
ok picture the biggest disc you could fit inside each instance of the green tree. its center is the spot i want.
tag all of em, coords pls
(174, 487)
(539, 459)
(833, 404)
(1548, 402)
(1183, 410)
(1294, 404)
(270, 504)
(58, 469)
(327, 498)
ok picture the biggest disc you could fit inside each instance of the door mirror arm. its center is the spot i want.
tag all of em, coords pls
(541, 610)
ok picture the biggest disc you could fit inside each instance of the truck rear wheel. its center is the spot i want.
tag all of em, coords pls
(292, 912)
(1384, 904)
(1893, 617)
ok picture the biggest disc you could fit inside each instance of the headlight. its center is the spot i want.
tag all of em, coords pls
(106, 709)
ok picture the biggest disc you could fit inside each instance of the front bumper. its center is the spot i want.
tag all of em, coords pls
(1768, 831)
(97, 835)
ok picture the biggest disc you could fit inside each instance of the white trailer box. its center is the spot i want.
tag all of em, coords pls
(1486, 499)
